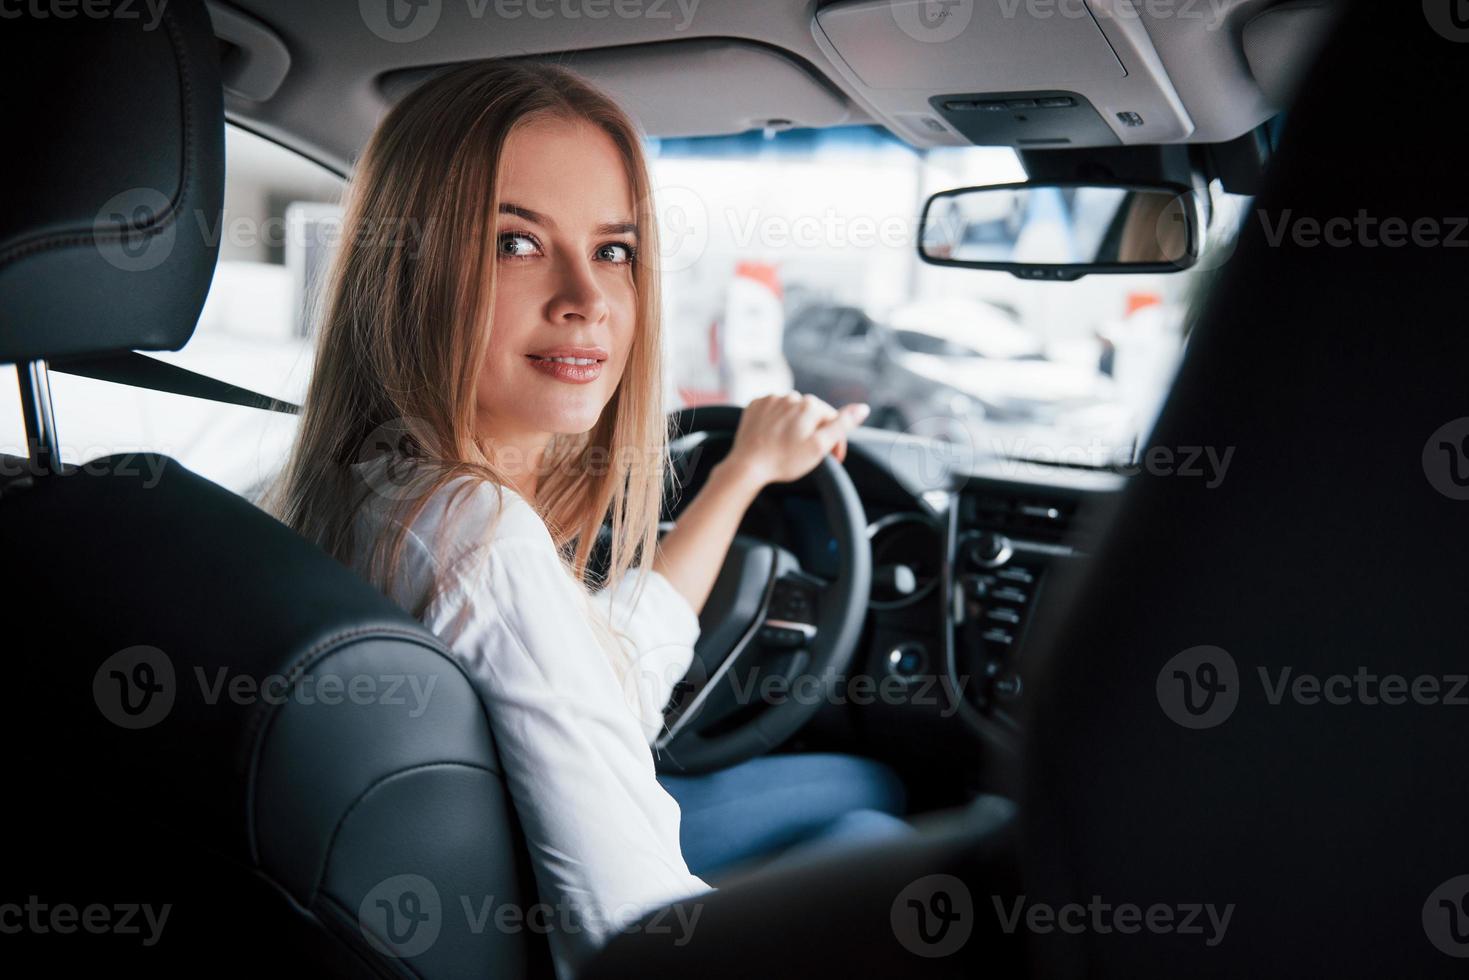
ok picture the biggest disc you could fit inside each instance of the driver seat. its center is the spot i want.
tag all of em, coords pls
(209, 718)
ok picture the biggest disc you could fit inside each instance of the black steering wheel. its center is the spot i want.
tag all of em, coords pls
(775, 639)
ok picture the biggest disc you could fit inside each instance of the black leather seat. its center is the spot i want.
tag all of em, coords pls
(1333, 833)
(174, 734)
(1330, 357)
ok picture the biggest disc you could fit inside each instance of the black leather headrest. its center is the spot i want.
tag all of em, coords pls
(113, 176)
(1256, 702)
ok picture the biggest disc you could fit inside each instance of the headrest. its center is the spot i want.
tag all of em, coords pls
(114, 177)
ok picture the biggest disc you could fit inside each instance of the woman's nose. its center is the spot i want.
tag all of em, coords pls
(578, 294)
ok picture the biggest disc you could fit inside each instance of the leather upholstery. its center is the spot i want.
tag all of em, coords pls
(114, 172)
(257, 766)
(1326, 550)
(286, 741)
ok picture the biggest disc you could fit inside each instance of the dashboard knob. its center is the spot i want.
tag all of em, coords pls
(897, 580)
(906, 661)
(990, 550)
(1008, 687)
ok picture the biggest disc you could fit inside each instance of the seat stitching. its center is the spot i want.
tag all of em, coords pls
(332, 840)
(157, 223)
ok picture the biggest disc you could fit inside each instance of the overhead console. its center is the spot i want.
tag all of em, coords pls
(1025, 119)
(1059, 73)
(919, 69)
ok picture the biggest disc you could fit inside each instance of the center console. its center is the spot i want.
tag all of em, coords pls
(1008, 543)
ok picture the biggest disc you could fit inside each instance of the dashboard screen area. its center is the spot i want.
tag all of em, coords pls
(809, 537)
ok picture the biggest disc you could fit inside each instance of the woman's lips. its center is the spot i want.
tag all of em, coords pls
(573, 365)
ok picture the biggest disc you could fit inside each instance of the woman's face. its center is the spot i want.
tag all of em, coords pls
(564, 305)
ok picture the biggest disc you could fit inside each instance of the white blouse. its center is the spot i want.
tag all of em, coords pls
(573, 734)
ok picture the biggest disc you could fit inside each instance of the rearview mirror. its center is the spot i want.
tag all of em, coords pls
(1062, 231)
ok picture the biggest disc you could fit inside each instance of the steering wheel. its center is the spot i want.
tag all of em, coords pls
(775, 639)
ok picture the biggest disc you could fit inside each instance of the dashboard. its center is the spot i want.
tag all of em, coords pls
(964, 550)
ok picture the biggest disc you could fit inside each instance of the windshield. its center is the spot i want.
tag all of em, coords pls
(926, 343)
(789, 261)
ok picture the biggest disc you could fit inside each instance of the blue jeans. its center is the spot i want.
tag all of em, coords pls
(779, 804)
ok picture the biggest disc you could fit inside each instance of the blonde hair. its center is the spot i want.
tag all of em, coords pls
(407, 321)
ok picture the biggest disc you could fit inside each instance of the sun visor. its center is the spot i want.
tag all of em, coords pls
(679, 88)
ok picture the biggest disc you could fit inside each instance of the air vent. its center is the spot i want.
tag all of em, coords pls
(1028, 517)
(907, 552)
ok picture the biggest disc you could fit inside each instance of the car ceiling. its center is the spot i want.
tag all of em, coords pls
(317, 76)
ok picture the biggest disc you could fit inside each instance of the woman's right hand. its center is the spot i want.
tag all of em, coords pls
(783, 437)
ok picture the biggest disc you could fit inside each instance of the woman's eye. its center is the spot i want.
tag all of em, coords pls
(516, 245)
(617, 252)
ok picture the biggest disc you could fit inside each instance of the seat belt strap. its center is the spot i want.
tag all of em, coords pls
(141, 371)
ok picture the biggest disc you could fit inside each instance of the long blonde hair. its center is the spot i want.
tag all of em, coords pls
(407, 319)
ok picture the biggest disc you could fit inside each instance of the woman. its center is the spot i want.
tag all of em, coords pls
(486, 395)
